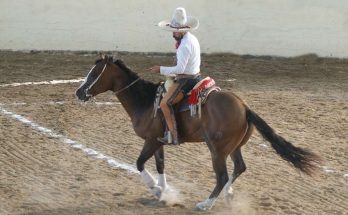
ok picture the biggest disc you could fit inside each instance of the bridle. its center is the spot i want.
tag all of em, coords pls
(117, 92)
(95, 81)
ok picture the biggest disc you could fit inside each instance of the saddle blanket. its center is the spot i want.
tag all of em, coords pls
(195, 98)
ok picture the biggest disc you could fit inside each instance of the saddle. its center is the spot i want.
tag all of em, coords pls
(193, 100)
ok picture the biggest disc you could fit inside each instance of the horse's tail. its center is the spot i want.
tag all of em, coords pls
(302, 159)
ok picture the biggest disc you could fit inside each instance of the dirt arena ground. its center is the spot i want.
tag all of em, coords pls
(305, 99)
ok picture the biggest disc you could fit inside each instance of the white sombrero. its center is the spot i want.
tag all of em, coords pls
(180, 22)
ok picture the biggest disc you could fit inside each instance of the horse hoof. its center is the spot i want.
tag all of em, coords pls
(228, 198)
(203, 207)
(206, 205)
(156, 191)
(229, 195)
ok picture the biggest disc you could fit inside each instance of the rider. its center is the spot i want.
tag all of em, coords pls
(186, 71)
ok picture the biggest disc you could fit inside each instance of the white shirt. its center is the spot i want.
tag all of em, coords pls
(188, 57)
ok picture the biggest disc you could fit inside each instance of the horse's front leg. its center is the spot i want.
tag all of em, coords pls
(159, 158)
(149, 149)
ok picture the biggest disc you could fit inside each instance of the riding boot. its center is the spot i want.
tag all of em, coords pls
(170, 137)
(175, 134)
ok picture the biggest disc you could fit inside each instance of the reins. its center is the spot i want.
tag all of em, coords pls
(126, 87)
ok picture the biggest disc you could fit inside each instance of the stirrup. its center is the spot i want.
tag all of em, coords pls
(165, 141)
(168, 140)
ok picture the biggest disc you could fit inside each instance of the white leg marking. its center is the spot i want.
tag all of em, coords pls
(151, 183)
(206, 205)
(228, 191)
(162, 182)
(170, 196)
(148, 178)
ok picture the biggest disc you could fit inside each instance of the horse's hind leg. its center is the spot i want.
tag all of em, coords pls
(219, 165)
(239, 165)
(239, 168)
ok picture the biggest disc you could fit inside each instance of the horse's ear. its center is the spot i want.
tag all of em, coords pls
(114, 56)
(103, 56)
(110, 59)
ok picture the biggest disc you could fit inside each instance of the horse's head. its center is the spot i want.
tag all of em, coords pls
(98, 80)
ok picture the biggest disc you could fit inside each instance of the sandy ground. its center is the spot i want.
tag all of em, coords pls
(305, 99)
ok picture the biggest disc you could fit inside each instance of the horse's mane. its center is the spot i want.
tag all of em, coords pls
(143, 91)
(132, 75)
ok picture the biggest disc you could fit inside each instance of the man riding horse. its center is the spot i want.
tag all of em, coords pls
(186, 71)
(225, 125)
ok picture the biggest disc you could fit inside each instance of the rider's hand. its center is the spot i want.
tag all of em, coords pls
(155, 69)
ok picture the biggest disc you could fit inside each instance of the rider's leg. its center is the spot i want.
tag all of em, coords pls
(173, 96)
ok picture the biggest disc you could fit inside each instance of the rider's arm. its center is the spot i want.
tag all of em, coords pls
(182, 56)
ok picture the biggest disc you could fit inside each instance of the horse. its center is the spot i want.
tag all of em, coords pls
(225, 125)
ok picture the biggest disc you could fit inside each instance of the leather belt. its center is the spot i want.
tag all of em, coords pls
(184, 76)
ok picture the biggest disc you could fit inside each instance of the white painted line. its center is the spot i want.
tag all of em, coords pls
(14, 104)
(229, 80)
(264, 145)
(44, 82)
(328, 169)
(74, 144)
(58, 103)
(107, 103)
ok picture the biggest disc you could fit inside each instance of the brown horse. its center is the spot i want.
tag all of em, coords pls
(226, 124)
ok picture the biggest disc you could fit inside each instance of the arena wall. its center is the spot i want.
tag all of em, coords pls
(258, 27)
